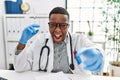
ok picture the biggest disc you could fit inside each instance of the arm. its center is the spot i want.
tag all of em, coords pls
(20, 46)
(22, 59)
(28, 33)
(94, 60)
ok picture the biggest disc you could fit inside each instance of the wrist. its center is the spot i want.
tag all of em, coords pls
(22, 41)
(20, 46)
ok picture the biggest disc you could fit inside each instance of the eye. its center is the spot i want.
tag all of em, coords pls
(53, 24)
(63, 25)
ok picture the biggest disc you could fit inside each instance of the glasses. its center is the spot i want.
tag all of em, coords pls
(54, 25)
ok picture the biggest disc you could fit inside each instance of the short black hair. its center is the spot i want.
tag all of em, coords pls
(59, 10)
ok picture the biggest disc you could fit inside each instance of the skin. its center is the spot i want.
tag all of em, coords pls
(58, 35)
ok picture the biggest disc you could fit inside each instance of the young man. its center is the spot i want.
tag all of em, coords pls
(58, 50)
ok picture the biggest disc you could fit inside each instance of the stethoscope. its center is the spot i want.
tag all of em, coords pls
(48, 49)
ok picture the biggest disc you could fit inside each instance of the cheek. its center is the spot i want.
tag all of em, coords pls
(64, 33)
(51, 31)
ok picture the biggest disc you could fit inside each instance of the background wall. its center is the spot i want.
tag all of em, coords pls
(2, 52)
(37, 7)
(43, 6)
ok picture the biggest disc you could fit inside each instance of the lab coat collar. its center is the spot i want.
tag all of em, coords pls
(51, 56)
(68, 47)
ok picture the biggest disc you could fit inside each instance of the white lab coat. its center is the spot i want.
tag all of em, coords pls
(28, 59)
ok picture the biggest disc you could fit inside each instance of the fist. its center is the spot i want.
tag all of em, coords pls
(29, 32)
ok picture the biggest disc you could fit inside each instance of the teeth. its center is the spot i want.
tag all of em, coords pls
(57, 35)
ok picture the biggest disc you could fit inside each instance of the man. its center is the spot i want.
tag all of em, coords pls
(53, 52)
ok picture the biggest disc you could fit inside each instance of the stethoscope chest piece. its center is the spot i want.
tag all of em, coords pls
(72, 66)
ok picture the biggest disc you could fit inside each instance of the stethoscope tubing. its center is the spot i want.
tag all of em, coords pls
(47, 56)
(45, 46)
(72, 64)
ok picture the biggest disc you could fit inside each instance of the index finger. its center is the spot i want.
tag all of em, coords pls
(35, 25)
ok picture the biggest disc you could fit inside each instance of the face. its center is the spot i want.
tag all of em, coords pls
(58, 26)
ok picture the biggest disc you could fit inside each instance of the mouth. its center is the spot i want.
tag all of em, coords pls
(57, 38)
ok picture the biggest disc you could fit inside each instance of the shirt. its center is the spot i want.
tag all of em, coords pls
(61, 62)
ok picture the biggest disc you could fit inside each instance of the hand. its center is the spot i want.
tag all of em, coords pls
(29, 32)
(94, 59)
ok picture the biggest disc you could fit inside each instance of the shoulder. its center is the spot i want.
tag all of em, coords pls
(40, 38)
(78, 35)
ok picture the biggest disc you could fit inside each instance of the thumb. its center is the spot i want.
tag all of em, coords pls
(37, 31)
(80, 52)
(78, 59)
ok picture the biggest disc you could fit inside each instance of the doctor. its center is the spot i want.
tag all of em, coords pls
(58, 50)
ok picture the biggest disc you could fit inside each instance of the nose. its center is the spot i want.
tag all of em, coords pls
(58, 27)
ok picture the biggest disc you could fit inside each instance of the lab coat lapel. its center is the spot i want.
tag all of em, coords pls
(69, 56)
(69, 52)
(69, 49)
(51, 56)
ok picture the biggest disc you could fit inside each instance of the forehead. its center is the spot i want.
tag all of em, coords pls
(59, 17)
